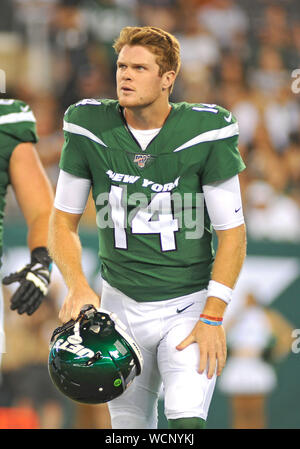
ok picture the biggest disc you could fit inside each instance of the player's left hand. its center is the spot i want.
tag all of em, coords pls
(212, 345)
(34, 279)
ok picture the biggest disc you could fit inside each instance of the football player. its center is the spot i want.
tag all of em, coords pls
(150, 163)
(20, 167)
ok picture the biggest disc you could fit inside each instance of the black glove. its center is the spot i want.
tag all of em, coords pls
(34, 279)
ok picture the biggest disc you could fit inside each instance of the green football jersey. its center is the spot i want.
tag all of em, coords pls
(155, 236)
(17, 125)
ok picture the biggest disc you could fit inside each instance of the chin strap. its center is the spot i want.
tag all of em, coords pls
(86, 312)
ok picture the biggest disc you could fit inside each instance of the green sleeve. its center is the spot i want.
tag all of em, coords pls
(223, 161)
(73, 159)
(17, 125)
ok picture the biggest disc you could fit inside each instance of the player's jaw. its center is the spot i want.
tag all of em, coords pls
(130, 95)
(127, 95)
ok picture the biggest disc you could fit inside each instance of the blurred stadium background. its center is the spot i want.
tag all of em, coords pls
(243, 55)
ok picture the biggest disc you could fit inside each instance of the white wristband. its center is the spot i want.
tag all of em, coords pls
(220, 291)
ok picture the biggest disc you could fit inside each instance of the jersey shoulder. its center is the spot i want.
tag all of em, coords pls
(10, 106)
(204, 116)
(87, 112)
(17, 122)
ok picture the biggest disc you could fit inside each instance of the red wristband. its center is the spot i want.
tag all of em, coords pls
(211, 317)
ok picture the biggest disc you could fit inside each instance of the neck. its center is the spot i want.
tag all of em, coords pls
(147, 117)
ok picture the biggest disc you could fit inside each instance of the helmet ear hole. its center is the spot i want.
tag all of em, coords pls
(90, 361)
(96, 357)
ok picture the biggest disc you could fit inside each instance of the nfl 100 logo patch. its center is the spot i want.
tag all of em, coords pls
(142, 159)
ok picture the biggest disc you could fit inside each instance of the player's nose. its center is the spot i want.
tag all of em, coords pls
(126, 74)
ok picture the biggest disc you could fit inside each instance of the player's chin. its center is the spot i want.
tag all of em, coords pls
(126, 102)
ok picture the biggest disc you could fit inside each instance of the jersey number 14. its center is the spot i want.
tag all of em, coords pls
(153, 218)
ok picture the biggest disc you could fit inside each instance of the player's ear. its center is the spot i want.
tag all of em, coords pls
(168, 79)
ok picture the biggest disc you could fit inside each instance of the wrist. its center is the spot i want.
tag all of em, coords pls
(211, 320)
(40, 255)
(80, 286)
(214, 307)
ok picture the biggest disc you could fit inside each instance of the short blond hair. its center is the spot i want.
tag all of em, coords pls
(161, 43)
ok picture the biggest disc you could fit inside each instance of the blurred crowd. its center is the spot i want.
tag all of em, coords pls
(241, 55)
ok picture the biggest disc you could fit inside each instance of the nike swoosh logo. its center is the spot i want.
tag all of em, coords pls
(236, 210)
(25, 108)
(181, 310)
(228, 119)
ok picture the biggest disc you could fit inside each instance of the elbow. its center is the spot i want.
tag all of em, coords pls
(233, 241)
(240, 239)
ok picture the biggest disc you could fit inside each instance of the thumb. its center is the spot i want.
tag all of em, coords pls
(13, 277)
(186, 342)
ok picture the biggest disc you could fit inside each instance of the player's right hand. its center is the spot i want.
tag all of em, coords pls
(75, 300)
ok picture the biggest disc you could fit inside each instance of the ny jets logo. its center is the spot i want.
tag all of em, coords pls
(77, 349)
(228, 119)
(25, 108)
(141, 159)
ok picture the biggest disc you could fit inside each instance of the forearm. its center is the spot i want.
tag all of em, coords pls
(65, 249)
(229, 260)
(208, 331)
(230, 256)
(38, 231)
(33, 191)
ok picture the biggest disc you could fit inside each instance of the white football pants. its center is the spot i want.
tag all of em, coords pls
(157, 328)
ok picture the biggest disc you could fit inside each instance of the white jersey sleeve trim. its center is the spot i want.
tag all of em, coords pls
(76, 129)
(224, 203)
(72, 193)
(208, 136)
(17, 117)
